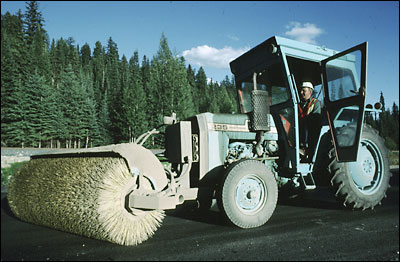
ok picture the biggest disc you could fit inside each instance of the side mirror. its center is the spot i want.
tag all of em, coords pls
(378, 106)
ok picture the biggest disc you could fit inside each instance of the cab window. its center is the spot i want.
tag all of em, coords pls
(271, 79)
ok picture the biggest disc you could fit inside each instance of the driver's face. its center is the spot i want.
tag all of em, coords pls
(305, 93)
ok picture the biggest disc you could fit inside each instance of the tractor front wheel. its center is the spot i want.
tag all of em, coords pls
(248, 194)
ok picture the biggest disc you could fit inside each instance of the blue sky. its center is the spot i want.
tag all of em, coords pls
(210, 34)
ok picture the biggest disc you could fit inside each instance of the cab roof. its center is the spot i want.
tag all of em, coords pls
(271, 48)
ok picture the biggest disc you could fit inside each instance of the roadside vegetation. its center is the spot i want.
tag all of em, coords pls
(8, 172)
(394, 157)
(57, 94)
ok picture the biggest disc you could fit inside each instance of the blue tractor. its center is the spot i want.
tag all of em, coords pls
(242, 162)
(246, 160)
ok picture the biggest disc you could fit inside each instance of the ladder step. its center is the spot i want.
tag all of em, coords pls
(308, 181)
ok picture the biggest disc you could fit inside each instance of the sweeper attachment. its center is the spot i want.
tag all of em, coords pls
(85, 191)
(239, 161)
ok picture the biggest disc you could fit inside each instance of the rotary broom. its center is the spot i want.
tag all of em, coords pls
(103, 193)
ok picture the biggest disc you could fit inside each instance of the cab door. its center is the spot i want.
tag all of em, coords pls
(344, 83)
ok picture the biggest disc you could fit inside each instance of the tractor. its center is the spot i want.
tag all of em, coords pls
(240, 161)
(245, 160)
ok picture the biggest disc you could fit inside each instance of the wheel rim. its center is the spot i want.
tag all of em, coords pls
(251, 194)
(367, 172)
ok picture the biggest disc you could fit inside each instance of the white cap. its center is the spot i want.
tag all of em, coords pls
(308, 84)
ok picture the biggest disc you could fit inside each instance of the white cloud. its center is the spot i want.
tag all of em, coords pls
(233, 37)
(210, 56)
(304, 33)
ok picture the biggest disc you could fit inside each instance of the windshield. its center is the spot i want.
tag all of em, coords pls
(271, 79)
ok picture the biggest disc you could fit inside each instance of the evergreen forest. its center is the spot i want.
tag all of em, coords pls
(56, 94)
(61, 95)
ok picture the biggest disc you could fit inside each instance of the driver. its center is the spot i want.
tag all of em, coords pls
(309, 121)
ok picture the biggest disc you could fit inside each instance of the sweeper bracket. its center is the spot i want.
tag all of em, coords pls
(161, 200)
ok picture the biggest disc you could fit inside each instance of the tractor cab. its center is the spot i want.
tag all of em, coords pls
(278, 66)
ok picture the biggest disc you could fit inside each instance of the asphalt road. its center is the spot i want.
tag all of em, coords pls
(312, 228)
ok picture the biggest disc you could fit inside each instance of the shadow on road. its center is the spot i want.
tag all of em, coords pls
(323, 197)
(5, 206)
(320, 198)
(394, 180)
(190, 211)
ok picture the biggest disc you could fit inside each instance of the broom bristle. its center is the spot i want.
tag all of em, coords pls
(85, 196)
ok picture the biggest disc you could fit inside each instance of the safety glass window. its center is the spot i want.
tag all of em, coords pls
(343, 76)
(272, 79)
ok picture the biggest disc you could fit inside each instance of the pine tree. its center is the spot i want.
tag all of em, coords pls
(225, 103)
(134, 100)
(113, 86)
(145, 73)
(52, 58)
(211, 97)
(34, 91)
(395, 123)
(34, 21)
(182, 91)
(161, 73)
(201, 86)
(51, 117)
(231, 90)
(85, 57)
(13, 73)
(382, 101)
(71, 106)
(192, 83)
(73, 56)
(150, 94)
(104, 122)
(170, 89)
(12, 122)
(37, 41)
(124, 80)
(388, 125)
(58, 59)
(90, 126)
(382, 117)
(159, 84)
(98, 68)
(154, 89)
(169, 76)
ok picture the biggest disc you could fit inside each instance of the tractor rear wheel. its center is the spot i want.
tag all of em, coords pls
(248, 194)
(362, 184)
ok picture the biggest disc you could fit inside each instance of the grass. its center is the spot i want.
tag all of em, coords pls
(164, 161)
(8, 172)
(394, 157)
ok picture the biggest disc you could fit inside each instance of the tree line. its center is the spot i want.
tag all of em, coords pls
(387, 123)
(61, 95)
